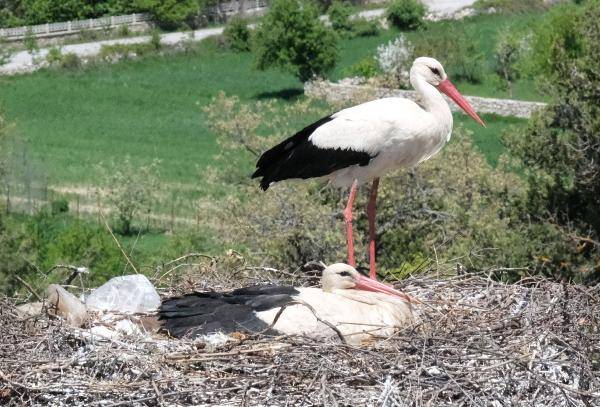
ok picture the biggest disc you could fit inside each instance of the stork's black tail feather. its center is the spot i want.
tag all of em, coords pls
(205, 313)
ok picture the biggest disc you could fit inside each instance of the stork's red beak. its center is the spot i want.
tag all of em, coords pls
(367, 284)
(449, 89)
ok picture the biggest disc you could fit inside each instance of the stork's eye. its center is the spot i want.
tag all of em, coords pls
(345, 274)
(435, 71)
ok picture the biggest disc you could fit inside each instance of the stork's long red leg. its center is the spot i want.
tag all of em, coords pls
(348, 220)
(371, 209)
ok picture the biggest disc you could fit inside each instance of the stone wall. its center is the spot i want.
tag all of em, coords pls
(340, 92)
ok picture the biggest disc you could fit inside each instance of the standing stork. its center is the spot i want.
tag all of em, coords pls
(364, 142)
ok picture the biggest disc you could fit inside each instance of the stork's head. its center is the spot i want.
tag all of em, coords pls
(342, 276)
(430, 70)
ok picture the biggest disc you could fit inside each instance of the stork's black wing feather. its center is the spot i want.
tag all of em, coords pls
(204, 313)
(298, 157)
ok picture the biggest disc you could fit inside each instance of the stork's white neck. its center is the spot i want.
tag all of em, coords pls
(432, 100)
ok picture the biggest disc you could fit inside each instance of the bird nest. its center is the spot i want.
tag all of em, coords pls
(479, 342)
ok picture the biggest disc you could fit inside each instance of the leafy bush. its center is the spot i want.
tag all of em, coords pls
(361, 27)
(59, 206)
(453, 47)
(291, 37)
(339, 15)
(155, 40)
(237, 34)
(509, 50)
(169, 14)
(405, 14)
(70, 61)
(555, 37)
(33, 244)
(395, 59)
(366, 67)
(560, 151)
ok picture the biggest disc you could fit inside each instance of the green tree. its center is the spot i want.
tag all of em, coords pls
(339, 16)
(131, 190)
(406, 14)
(237, 34)
(507, 55)
(561, 148)
(169, 14)
(292, 38)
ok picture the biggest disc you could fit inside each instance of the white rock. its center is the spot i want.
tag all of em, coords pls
(66, 305)
(126, 294)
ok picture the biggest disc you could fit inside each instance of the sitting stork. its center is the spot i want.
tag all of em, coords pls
(364, 142)
(349, 305)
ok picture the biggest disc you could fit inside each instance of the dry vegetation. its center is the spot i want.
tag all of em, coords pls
(479, 342)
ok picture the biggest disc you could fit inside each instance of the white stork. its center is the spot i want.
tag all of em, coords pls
(364, 142)
(349, 305)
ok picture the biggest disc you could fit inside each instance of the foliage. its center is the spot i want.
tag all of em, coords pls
(59, 206)
(339, 15)
(560, 149)
(5, 51)
(361, 27)
(237, 34)
(169, 14)
(455, 49)
(131, 190)
(366, 68)
(395, 60)
(292, 38)
(70, 61)
(555, 37)
(29, 246)
(405, 14)
(30, 42)
(155, 40)
(509, 50)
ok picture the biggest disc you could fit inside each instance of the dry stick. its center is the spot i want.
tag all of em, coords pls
(300, 302)
(29, 288)
(116, 240)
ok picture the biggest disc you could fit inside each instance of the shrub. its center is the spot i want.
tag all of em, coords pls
(395, 60)
(508, 52)
(54, 56)
(366, 67)
(70, 61)
(405, 14)
(292, 38)
(59, 206)
(555, 37)
(237, 34)
(455, 49)
(169, 14)
(155, 40)
(560, 150)
(339, 16)
(361, 27)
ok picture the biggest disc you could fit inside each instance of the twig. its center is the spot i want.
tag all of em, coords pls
(116, 241)
(29, 287)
